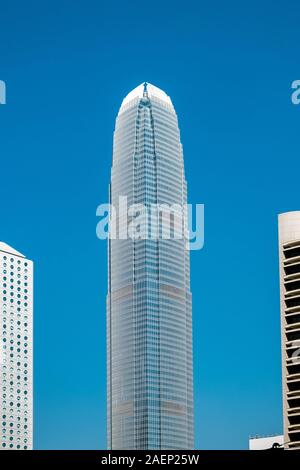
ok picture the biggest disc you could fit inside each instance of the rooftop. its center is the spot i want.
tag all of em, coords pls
(8, 249)
(151, 90)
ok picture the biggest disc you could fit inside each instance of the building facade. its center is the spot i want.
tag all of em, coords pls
(289, 260)
(267, 442)
(149, 318)
(16, 349)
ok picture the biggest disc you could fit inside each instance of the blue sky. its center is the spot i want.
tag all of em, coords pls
(228, 67)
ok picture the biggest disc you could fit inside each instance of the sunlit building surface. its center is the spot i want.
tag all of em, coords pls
(289, 256)
(16, 336)
(266, 443)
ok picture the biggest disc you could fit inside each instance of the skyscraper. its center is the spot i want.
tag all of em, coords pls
(289, 260)
(16, 330)
(149, 319)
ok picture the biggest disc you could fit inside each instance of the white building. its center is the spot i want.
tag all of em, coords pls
(265, 443)
(16, 349)
(289, 261)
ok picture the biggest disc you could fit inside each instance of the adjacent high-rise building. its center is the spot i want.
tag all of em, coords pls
(149, 319)
(16, 344)
(289, 257)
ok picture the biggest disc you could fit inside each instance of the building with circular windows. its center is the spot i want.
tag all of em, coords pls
(16, 349)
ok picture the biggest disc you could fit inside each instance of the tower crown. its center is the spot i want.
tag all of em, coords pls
(146, 90)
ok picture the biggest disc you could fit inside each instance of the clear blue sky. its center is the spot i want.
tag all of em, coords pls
(228, 67)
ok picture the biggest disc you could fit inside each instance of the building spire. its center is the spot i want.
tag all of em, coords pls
(145, 94)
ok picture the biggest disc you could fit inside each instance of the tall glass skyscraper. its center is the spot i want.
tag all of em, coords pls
(149, 319)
